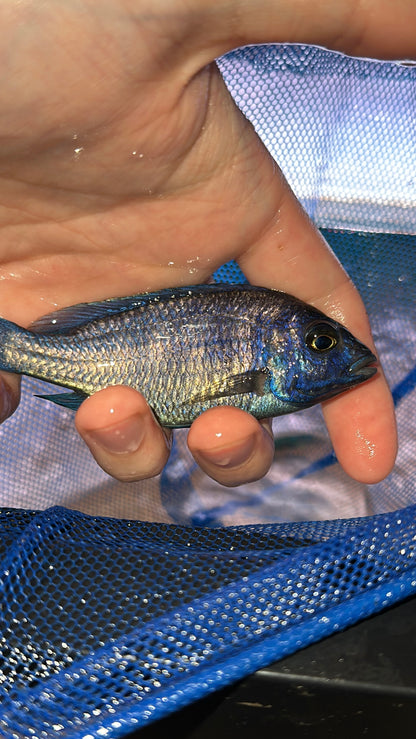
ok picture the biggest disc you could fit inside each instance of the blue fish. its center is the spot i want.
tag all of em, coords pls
(188, 349)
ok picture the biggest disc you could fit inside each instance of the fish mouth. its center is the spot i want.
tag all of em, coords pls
(364, 368)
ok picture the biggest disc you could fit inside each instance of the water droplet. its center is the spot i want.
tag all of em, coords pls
(365, 446)
(78, 151)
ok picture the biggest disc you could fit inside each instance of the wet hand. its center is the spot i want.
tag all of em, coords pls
(126, 167)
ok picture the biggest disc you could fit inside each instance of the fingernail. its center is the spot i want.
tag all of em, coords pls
(121, 438)
(232, 456)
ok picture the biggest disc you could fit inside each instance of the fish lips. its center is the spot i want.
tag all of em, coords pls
(364, 367)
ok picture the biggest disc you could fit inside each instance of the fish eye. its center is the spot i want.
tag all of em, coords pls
(322, 337)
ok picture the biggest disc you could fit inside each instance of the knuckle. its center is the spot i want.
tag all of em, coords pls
(136, 469)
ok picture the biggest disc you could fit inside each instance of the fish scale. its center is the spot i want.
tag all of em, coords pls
(189, 349)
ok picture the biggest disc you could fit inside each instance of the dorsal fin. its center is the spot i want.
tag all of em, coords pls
(69, 318)
(74, 316)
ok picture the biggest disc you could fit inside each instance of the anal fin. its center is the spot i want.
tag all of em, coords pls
(67, 400)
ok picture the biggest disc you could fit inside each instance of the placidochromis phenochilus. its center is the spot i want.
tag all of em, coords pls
(188, 349)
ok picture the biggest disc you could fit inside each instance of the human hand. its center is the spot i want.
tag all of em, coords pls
(125, 166)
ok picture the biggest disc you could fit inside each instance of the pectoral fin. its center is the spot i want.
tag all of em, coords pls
(253, 381)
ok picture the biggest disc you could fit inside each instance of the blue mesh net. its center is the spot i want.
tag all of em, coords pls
(123, 602)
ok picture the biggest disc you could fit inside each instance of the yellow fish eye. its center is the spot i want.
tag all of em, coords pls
(322, 337)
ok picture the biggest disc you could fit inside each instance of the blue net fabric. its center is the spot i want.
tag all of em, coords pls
(122, 602)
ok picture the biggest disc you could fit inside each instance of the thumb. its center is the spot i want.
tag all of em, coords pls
(9, 394)
(377, 28)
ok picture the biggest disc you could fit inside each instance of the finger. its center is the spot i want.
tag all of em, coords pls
(231, 446)
(9, 394)
(123, 434)
(361, 422)
(300, 262)
(357, 28)
(362, 445)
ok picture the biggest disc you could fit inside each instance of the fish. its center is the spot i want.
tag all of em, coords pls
(188, 349)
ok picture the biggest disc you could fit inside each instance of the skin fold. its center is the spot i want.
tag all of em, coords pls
(125, 166)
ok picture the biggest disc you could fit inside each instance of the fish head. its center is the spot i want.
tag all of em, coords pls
(315, 358)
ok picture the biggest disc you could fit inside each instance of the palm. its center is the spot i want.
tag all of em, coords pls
(126, 167)
(119, 196)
